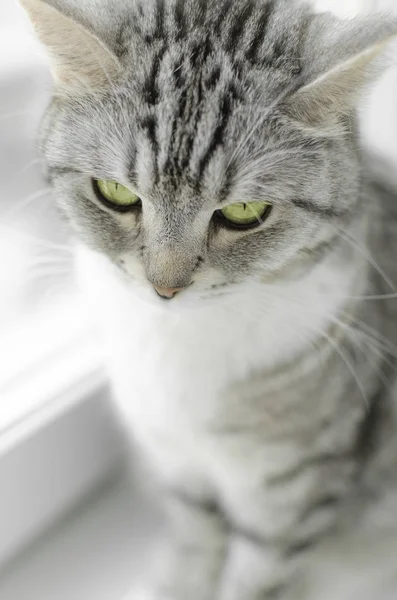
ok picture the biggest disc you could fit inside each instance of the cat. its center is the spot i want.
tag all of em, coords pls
(241, 258)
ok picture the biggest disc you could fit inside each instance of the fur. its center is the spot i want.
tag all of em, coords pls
(264, 395)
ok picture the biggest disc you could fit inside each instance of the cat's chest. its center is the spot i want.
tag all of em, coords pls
(171, 377)
(174, 371)
(173, 367)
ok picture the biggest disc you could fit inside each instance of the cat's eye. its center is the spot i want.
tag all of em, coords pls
(117, 195)
(244, 215)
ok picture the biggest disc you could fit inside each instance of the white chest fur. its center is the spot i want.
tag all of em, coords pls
(171, 366)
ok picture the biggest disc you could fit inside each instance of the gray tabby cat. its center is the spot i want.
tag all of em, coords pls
(243, 264)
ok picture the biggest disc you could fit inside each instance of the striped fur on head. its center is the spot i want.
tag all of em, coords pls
(198, 104)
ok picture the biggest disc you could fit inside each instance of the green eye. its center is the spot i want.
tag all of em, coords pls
(245, 214)
(118, 195)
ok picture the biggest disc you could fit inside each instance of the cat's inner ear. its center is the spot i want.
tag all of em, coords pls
(342, 73)
(81, 62)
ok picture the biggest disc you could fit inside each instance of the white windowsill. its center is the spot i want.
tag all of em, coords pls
(40, 355)
(98, 553)
(59, 434)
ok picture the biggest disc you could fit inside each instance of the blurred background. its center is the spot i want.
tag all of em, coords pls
(61, 445)
(71, 526)
(25, 202)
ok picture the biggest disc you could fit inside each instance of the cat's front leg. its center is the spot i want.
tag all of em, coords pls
(256, 571)
(271, 544)
(194, 556)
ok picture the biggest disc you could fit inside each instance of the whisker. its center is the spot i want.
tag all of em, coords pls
(22, 171)
(35, 275)
(51, 260)
(391, 364)
(298, 304)
(372, 333)
(364, 252)
(370, 344)
(13, 212)
(374, 297)
(18, 113)
(41, 242)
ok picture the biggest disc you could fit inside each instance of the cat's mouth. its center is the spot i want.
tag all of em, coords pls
(167, 293)
(198, 293)
(194, 297)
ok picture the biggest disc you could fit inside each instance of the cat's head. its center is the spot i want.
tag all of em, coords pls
(201, 145)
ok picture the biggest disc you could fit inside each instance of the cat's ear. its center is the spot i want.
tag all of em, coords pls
(343, 58)
(81, 62)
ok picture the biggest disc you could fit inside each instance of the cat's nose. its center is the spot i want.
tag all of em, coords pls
(167, 293)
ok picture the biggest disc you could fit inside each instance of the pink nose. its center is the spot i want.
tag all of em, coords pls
(167, 293)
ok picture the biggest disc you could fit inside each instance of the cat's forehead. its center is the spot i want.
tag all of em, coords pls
(261, 31)
(196, 45)
(187, 118)
(197, 67)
